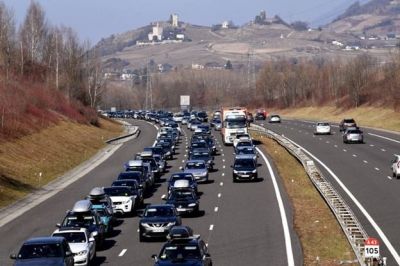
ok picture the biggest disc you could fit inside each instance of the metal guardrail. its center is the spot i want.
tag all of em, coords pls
(352, 228)
(133, 131)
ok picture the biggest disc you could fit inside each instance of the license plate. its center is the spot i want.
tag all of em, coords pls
(158, 230)
(245, 175)
(181, 209)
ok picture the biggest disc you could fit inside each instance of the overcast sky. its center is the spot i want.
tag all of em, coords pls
(94, 19)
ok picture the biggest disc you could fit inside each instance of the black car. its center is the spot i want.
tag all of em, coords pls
(157, 220)
(184, 200)
(202, 116)
(82, 215)
(347, 122)
(203, 154)
(244, 168)
(156, 150)
(183, 176)
(134, 175)
(183, 248)
(44, 251)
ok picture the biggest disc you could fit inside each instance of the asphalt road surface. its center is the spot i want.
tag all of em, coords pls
(364, 170)
(241, 222)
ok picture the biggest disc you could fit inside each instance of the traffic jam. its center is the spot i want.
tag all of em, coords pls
(84, 228)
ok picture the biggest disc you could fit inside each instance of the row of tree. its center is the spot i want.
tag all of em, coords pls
(53, 54)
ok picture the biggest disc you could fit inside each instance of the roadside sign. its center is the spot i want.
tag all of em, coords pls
(185, 100)
(371, 248)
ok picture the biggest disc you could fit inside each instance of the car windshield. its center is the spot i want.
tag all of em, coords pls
(78, 221)
(118, 191)
(126, 183)
(181, 177)
(73, 237)
(236, 123)
(181, 194)
(158, 211)
(32, 251)
(349, 121)
(243, 144)
(323, 124)
(246, 151)
(180, 252)
(354, 132)
(197, 165)
(244, 163)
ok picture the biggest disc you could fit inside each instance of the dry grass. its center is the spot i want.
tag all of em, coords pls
(364, 116)
(320, 234)
(50, 152)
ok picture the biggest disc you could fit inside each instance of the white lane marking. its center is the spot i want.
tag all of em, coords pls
(320, 138)
(219, 195)
(335, 146)
(138, 230)
(286, 232)
(344, 150)
(221, 184)
(184, 155)
(211, 227)
(389, 177)
(122, 253)
(358, 204)
(354, 155)
(223, 154)
(382, 137)
(223, 174)
(365, 161)
(216, 209)
(222, 150)
(183, 161)
(223, 166)
(383, 150)
(223, 160)
(371, 145)
(376, 168)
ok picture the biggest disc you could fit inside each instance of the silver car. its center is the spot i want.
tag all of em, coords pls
(198, 168)
(353, 135)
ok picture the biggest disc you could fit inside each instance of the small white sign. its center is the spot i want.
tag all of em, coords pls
(185, 100)
(371, 248)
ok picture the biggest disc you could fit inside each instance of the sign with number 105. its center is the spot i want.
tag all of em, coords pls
(371, 248)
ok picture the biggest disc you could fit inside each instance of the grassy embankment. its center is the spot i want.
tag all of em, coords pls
(365, 116)
(322, 239)
(52, 151)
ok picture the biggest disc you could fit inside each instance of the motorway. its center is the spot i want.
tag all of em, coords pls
(365, 173)
(241, 222)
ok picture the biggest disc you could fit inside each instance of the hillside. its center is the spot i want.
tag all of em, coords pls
(376, 17)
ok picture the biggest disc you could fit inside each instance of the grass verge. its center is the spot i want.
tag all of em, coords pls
(365, 116)
(34, 160)
(322, 239)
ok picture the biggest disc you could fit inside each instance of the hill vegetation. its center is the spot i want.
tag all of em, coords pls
(46, 75)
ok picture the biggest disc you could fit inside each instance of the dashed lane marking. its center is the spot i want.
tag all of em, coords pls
(382, 137)
(223, 174)
(383, 150)
(219, 195)
(376, 168)
(389, 177)
(354, 155)
(216, 209)
(365, 161)
(335, 146)
(211, 227)
(344, 150)
(122, 253)
(221, 184)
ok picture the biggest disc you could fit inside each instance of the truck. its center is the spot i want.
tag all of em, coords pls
(234, 121)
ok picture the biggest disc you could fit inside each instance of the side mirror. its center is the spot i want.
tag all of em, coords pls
(91, 239)
(95, 233)
(181, 168)
(154, 257)
(13, 256)
(140, 213)
(68, 254)
(58, 225)
(164, 197)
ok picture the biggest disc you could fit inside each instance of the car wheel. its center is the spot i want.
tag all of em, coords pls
(141, 238)
(234, 180)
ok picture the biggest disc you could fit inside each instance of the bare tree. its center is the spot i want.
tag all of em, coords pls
(33, 32)
(96, 84)
(7, 38)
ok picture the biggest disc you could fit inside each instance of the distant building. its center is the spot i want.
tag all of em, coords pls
(156, 34)
(197, 66)
(175, 20)
(127, 76)
(227, 24)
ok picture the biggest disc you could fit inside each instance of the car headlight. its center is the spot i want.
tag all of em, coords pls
(254, 171)
(204, 173)
(171, 224)
(192, 205)
(145, 225)
(81, 253)
(127, 201)
(235, 172)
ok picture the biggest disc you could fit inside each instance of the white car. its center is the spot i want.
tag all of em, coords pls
(239, 137)
(322, 128)
(274, 119)
(81, 243)
(396, 166)
(177, 117)
(123, 199)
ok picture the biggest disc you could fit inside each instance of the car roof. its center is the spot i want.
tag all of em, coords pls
(195, 161)
(67, 229)
(45, 240)
(160, 206)
(182, 174)
(82, 206)
(134, 163)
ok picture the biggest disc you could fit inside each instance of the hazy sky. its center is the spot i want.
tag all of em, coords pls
(94, 19)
